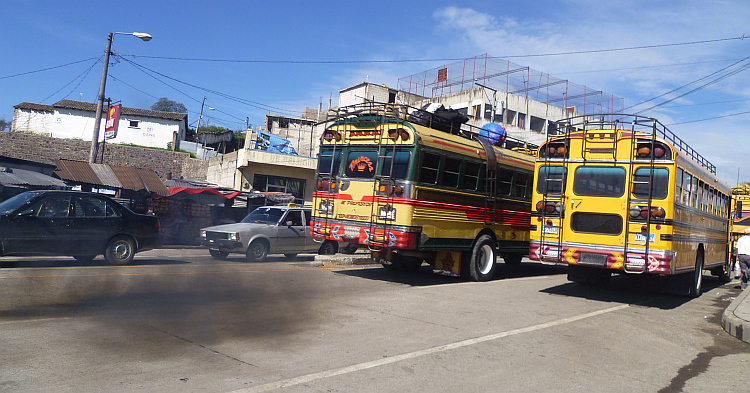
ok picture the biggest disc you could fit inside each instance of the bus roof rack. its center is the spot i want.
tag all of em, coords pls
(432, 115)
(643, 124)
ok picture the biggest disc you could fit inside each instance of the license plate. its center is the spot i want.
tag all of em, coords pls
(593, 259)
(550, 230)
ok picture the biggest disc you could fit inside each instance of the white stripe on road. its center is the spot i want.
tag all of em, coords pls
(411, 355)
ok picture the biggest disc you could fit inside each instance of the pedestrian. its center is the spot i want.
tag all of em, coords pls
(743, 257)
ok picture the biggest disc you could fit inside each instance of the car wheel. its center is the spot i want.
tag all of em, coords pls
(120, 251)
(257, 251)
(84, 258)
(218, 254)
(327, 248)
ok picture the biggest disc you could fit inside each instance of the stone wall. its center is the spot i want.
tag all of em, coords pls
(46, 150)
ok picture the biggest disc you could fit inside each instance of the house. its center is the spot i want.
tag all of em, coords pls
(70, 119)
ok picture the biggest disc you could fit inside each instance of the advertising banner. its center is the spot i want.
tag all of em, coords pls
(113, 120)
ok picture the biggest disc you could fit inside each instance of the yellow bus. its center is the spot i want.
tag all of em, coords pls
(418, 185)
(621, 193)
(740, 214)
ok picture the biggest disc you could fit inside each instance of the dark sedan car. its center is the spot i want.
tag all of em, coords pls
(78, 224)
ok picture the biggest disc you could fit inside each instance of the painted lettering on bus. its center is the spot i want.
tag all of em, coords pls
(358, 203)
(352, 217)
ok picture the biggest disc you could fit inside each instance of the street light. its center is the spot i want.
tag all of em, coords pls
(100, 98)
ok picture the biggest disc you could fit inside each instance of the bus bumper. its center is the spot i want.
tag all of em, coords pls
(657, 261)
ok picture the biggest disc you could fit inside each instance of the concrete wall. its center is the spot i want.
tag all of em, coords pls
(46, 150)
(79, 124)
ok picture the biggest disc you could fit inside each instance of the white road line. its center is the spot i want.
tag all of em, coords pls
(411, 355)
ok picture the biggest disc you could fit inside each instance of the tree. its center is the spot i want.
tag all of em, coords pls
(4, 124)
(166, 105)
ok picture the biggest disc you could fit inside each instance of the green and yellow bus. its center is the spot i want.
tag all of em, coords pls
(418, 185)
(621, 193)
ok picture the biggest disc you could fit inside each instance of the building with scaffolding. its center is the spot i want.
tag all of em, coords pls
(523, 100)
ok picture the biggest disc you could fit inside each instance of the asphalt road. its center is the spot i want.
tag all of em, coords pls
(179, 321)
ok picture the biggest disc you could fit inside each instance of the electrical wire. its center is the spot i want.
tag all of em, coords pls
(710, 118)
(47, 69)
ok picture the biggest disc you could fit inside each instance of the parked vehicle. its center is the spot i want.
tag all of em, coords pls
(267, 230)
(77, 224)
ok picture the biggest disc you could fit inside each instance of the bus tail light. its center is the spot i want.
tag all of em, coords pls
(391, 189)
(549, 207)
(326, 185)
(395, 134)
(643, 212)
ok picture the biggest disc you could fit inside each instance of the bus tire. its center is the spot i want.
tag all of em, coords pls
(327, 248)
(696, 282)
(481, 263)
(513, 259)
(724, 273)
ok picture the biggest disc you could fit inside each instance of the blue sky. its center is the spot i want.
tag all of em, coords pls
(271, 57)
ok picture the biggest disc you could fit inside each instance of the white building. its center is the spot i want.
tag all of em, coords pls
(70, 119)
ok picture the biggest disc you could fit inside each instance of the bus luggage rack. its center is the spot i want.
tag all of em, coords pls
(617, 121)
(446, 120)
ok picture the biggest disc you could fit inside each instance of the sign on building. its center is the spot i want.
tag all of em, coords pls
(113, 120)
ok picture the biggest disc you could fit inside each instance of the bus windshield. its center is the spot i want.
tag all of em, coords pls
(600, 181)
(551, 180)
(329, 162)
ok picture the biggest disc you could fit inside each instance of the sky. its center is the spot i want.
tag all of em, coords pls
(250, 58)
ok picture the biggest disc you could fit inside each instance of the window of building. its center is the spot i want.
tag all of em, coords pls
(133, 124)
(521, 120)
(287, 185)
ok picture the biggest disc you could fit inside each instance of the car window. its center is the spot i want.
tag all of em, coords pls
(265, 215)
(16, 202)
(308, 216)
(295, 216)
(88, 206)
(54, 206)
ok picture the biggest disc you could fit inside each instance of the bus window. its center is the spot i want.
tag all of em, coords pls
(329, 163)
(706, 197)
(687, 188)
(400, 164)
(430, 165)
(678, 185)
(660, 183)
(604, 181)
(551, 180)
(519, 184)
(694, 192)
(361, 164)
(471, 176)
(451, 169)
(504, 180)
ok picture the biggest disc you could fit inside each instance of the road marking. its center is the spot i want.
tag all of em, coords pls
(411, 355)
(161, 273)
(33, 320)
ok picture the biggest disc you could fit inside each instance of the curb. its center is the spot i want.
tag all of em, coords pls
(342, 260)
(733, 324)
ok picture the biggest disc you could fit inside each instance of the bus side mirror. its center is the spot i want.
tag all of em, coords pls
(738, 209)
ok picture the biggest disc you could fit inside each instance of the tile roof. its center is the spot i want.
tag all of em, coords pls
(91, 107)
(36, 107)
(115, 176)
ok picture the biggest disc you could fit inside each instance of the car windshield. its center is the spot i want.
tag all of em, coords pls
(264, 215)
(17, 201)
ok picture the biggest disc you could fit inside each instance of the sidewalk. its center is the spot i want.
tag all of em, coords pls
(736, 318)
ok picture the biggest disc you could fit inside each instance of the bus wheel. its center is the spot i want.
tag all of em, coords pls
(481, 263)
(513, 259)
(696, 283)
(724, 273)
(589, 276)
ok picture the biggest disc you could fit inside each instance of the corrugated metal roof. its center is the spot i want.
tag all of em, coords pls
(115, 176)
(22, 177)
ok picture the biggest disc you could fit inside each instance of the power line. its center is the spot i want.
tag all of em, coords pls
(47, 69)
(709, 118)
(430, 60)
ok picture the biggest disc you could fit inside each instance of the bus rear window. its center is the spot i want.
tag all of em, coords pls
(660, 183)
(551, 180)
(603, 181)
(361, 164)
(329, 162)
